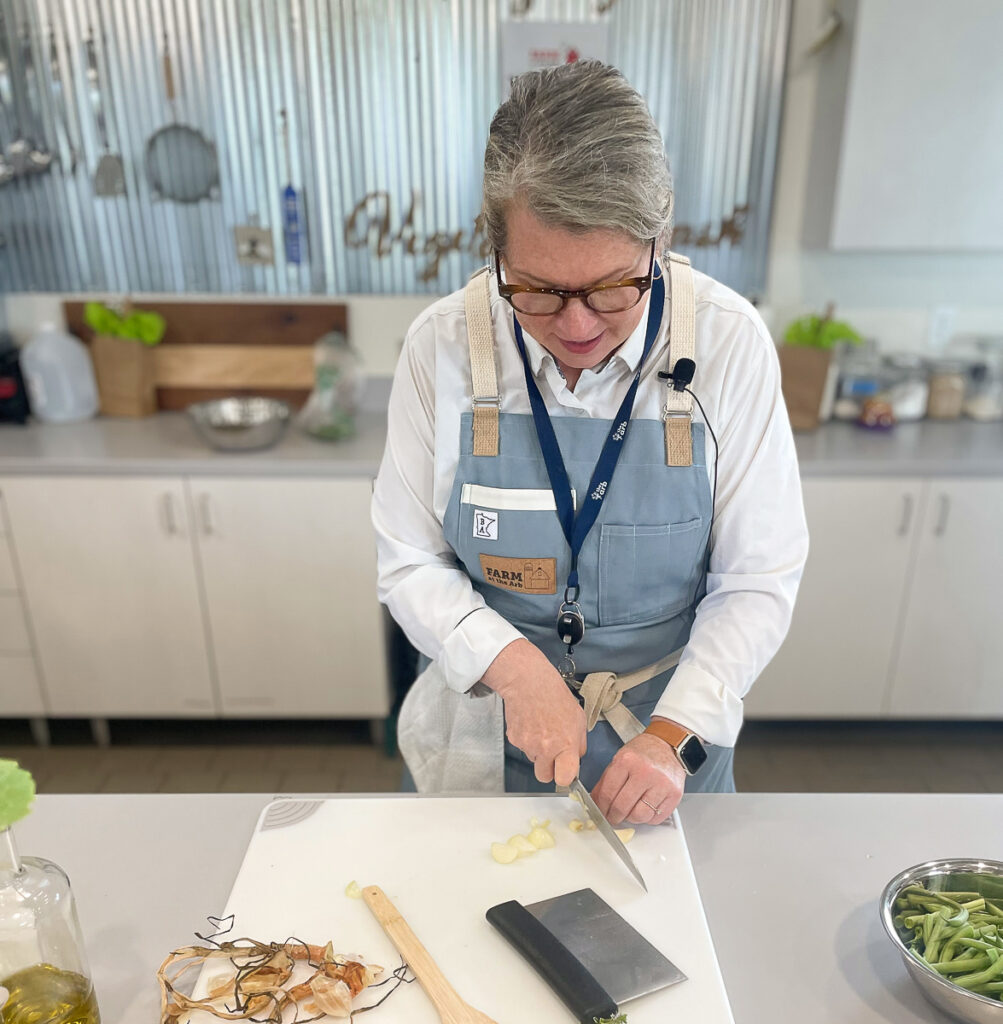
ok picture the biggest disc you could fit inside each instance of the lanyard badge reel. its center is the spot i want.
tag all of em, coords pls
(571, 630)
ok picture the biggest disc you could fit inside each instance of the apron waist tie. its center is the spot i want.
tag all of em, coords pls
(602, 693)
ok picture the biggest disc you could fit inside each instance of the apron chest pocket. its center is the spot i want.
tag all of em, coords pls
(507, 521)
(648, 572)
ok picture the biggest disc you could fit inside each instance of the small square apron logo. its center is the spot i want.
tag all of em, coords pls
(485, 525)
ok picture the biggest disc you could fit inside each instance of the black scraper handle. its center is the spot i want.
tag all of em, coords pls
(563, 972)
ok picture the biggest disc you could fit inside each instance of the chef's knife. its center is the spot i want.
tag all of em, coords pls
(606, 828)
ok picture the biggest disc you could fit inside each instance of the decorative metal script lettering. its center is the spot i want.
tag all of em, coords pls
(371, 225)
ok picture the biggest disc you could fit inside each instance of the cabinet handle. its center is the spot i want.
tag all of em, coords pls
(906, 521)
(205, 511)
(170, 516)
(942, 513)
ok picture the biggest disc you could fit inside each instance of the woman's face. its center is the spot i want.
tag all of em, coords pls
(578, 337)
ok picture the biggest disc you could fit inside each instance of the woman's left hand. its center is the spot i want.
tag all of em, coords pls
(643, 784)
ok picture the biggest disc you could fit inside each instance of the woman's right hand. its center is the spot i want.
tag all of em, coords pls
(542, 717)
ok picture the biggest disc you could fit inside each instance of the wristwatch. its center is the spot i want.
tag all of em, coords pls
(687, 745)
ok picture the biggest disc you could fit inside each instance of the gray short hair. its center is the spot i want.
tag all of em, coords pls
(577, 145)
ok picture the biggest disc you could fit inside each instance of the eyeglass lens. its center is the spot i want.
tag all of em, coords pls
(607, 300)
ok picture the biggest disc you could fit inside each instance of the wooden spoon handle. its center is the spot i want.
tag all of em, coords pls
(444, 997)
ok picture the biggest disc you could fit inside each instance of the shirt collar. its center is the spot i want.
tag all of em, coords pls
(629, 353)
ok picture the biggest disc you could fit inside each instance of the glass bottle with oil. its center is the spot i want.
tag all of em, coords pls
(43, 966)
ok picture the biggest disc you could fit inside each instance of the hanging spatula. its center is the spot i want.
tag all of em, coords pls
(109, 176)
(451, 1008)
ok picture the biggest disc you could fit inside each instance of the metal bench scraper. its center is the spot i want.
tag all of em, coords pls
(591, 957)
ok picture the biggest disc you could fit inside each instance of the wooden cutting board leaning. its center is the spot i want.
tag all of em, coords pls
(223, 349)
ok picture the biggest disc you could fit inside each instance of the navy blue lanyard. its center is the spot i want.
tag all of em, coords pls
(576, 528)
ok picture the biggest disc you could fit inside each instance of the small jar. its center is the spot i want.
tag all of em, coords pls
(330, 411)
(861, 378)
(908, 386)
(984, 400)
(947, 390)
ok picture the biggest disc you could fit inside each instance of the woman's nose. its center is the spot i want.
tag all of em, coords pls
(577, 322)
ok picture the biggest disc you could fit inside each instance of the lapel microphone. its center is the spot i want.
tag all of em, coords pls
(682, 375)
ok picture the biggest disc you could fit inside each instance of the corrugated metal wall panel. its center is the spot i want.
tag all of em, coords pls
(389, 99)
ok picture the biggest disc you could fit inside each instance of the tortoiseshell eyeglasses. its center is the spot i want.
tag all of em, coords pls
(615, 297)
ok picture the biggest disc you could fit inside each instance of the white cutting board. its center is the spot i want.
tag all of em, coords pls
(431, 855)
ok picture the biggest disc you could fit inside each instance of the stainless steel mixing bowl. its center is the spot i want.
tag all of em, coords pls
(939, 875)
(240, 424)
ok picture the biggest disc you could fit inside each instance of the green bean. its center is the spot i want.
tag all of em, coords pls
(991, 973)
(968, 932)
(975, 944)
(966, 966)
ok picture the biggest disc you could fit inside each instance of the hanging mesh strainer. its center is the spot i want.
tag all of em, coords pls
(181, 164)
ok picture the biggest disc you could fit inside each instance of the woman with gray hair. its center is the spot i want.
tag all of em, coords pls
(588, 514)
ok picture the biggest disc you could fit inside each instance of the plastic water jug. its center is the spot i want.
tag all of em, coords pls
(59, 376)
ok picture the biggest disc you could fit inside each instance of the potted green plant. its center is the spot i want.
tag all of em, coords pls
(809, 373)
(121, 350)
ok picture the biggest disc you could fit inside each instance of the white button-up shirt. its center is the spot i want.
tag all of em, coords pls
(759, 539)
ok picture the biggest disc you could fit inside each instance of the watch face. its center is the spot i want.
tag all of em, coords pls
(692, 755)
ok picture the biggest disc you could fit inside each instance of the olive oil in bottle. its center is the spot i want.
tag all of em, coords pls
(43, 963)
(44, 993)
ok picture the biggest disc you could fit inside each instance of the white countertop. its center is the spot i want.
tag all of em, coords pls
(926, 448)
(166, 444)
(790, 885)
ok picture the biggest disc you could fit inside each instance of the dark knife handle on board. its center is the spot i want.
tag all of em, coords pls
(577, 989)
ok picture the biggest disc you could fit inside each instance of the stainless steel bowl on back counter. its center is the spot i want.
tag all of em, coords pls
(240, 424)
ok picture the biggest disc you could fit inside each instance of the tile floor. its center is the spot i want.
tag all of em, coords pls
(312, 756)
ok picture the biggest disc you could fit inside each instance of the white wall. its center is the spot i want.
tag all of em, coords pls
(899, 298)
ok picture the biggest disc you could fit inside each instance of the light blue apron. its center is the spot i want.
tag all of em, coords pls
(641, 567)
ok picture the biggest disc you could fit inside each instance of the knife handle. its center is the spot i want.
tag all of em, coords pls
(577, 989)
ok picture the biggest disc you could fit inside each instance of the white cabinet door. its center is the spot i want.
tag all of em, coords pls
(109, 580)
(837, 659)
(951, 660)
(13, 628)
(290, 580)
(20, 693)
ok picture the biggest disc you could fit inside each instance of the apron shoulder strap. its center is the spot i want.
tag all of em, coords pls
(678, 411)
(483, 377)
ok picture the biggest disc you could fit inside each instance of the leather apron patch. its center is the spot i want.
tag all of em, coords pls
(527, 575)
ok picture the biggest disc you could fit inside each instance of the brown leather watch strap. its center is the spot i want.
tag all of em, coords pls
(668, 731)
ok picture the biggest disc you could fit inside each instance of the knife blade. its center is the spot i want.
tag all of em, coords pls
(606, 829)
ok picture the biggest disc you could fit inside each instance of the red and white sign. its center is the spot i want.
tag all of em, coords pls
(528, 45)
